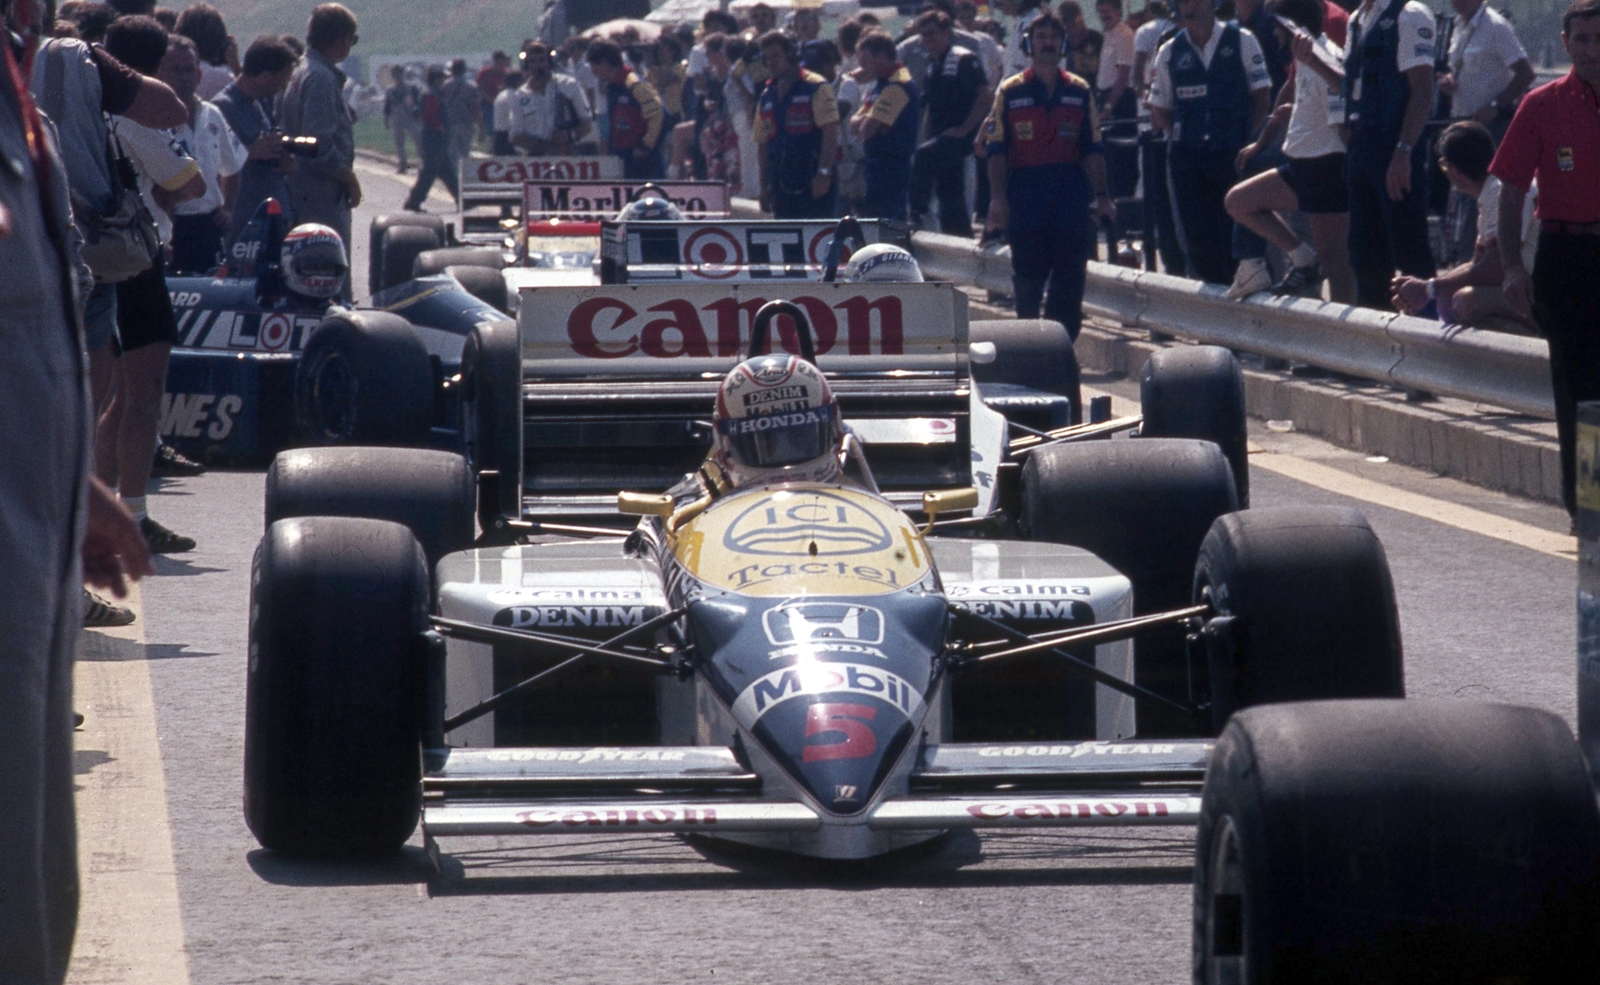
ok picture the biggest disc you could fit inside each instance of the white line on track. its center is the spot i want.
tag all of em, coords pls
(130, 926)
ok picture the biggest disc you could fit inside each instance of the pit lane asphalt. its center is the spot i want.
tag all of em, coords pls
(1484, 619)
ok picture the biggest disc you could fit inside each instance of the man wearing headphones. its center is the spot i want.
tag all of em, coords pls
(1046, 169)
(797, 135)
(1210, 92)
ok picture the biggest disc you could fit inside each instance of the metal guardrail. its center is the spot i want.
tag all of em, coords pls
(1509, 371)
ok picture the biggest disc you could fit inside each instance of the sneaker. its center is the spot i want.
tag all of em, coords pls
(1299, 280)
(1250, 278)
(162, 540)
(171, 461)
(99, 611)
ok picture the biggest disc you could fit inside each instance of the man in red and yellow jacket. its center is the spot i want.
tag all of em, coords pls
(634, 109)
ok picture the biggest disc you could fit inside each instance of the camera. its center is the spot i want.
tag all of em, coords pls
(299, 146)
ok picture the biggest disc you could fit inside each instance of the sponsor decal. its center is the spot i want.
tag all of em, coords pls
(607, 327)
(618, 817)
(835, 678)
(1024, 129)
(713, 246)
(1069, 809)
(841, 732)
(1031, 610)
(975, 589)
(1191, 92)
(819, 649)
(1077, 750)
(1564, 160)
(570, 616)
(275, 332)
(196, 415)
(815, 524)
(244, 249)
(185, 299)
(598, 199)
(845, 793)
(599, 754)
(773, 422)
(524, 596)
(774, 394)
(515, 170)
(806, 622)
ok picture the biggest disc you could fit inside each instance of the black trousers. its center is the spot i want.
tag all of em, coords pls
(1160, 226)
(437, 164)
(1199, 181)
(1053, 256)
(802, 204)
(941, 166)
(1385, 235)
(1566, 304)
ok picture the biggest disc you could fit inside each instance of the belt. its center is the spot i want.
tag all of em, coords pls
(1571, 228)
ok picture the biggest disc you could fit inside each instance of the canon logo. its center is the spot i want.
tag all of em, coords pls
(513, 172)
(610, 328)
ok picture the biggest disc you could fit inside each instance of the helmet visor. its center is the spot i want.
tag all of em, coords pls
(786, 438)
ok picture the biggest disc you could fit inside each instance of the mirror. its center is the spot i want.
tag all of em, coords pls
(949, 501)
(652, 504)
(982, 353)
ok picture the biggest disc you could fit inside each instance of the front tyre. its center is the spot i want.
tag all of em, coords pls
(365, 378)
(333, 701)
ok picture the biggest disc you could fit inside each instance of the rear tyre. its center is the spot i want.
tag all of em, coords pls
(383, 224)
(1036, 354)
(1396, 842)
(1197, 391)
(1308, 609)
(401, 246)
(333, 701)
(365, 378)
(434, 261)
(1144, 507)
(429, 492)
(485, 284)
(491, 414)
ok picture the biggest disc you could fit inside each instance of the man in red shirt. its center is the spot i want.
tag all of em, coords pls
(1555, 137)
(491, 79)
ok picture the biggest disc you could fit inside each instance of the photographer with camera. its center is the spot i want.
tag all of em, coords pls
(247, 106)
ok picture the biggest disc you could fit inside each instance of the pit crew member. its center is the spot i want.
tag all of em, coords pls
(797, 135)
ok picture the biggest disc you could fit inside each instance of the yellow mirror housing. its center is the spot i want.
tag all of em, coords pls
(949, 501)
(645, 504)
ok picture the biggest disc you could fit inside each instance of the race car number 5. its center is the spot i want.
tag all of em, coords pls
(846, 721)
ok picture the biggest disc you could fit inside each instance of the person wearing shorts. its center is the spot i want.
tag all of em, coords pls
(1312, 178)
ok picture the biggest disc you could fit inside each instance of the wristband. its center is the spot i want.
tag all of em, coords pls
(1433, 289)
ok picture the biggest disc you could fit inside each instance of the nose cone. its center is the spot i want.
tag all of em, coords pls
(838, 728)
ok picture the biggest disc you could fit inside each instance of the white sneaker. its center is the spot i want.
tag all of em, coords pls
(1251, 277)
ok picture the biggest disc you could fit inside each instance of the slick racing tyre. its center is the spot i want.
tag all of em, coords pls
(364, 378)
(486, 284)
(434, 261)
(1396, 842)
(428, 491)
(491, 415)
(401, 247)
(383, 224)
(1143, 507)
(1197, 391)
(332, 743)
(1036, 354)
(1307, 609)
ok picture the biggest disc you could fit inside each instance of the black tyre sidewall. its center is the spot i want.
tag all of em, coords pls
(401, 247)
(484, 283)
(333, 701)
(392, 374)
(384, 223)
(434, 261)
(1035, 353)
(1198, 392)
(491, 365)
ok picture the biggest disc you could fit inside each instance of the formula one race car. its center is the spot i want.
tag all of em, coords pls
(265, 359)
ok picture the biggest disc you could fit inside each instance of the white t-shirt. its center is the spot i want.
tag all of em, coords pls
(1255, 65)
(1145, 42)
(160, 159)
(533, 114)
(214, 147)
(1115, 52)
(502, 110)
(1416, 35)
(1489, 218)
(1318, 108)
(1482, 52)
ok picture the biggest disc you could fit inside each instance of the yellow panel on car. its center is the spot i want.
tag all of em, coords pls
(803, 540)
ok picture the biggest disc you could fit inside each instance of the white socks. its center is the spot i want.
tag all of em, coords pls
(135, 505)
(1303, 255)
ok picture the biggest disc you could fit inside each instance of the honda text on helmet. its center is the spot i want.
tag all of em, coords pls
(777, 421)
(314, 262)
(881, 263)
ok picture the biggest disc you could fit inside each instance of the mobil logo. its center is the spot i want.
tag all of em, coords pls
(608, 327)
(807, 622)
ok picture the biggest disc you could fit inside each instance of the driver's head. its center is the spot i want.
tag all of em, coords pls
(313, 262)
(777, 421)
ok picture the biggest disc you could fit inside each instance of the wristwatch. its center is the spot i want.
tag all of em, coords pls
(825, 172)
(1402, 146)
(1433, 289)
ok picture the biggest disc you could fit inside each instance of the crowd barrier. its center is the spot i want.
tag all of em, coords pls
(1509, 371)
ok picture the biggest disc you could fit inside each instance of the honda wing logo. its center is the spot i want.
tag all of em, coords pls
(812, 622)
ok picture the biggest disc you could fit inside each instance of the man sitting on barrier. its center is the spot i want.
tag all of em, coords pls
(1470, 294)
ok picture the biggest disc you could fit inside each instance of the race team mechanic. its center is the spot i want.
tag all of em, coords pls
(887, 122)
(1047, 168)
(634, 109)
(549, 111)
(797, 135)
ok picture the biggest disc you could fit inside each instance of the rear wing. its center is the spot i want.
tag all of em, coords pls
(499, 180)
(697, 332)
(594, 200)
(728, 251)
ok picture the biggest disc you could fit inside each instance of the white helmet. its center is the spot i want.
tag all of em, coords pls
(313, 261)
(777, 421)
(881, 263)
(652, 205)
